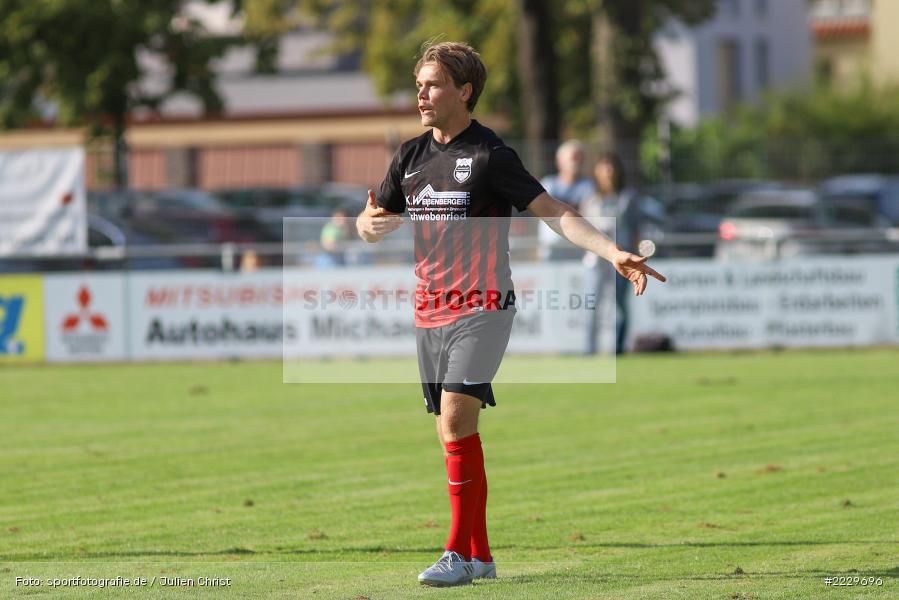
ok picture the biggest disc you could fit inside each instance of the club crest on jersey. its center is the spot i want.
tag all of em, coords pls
(463, 169)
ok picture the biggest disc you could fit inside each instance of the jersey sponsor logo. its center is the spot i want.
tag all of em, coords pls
(407, 174)
(463, 169)
(430, 197)
(429, 204)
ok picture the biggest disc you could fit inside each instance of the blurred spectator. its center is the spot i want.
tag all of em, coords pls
(249, 262)
(570, 187)
(619, 212)
(334, 237)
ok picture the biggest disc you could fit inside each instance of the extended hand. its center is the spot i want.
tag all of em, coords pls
(634, 269)
(376, 222)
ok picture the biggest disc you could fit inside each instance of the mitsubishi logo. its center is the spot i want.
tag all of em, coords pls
(95, 320)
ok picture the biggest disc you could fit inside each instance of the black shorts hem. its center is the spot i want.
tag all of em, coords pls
(432, 392)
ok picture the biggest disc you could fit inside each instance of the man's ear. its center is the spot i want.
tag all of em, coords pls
(466, 92)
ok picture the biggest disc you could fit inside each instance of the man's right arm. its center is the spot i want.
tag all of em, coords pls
(375, 222)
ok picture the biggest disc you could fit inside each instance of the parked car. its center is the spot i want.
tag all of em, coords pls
(685, 213)
(192, 216)
(309, 205)
(771, 224)
(694, 213)
(881, 190)
(107, 240)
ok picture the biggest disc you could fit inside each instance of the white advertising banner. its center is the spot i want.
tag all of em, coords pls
(43, 209)
(84, 317)
(350, 312)
(370, 311)
(552, 306)
(816, 301)
(207, 314)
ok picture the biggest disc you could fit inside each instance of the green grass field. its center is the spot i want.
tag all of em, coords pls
(695, 476)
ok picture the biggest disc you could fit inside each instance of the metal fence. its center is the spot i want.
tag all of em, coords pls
(234, 257)
(697, 190)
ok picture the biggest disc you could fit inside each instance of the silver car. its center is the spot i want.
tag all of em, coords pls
(772, 224)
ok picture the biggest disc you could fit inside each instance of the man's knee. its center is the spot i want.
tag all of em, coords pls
(458, 415)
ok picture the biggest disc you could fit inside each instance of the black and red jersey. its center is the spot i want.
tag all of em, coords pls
(459, 197)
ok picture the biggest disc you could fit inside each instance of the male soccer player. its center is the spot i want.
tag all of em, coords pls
(459, 182)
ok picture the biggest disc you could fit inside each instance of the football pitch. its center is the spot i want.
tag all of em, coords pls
(727, 476)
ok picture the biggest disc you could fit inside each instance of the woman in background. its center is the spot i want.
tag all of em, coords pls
(619, 212)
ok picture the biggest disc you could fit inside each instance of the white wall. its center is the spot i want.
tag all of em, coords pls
(677, 51)
(690, 55)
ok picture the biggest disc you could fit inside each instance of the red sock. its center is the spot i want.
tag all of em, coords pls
(480, 548)
(464, 465)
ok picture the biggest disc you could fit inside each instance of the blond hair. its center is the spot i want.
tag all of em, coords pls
(460, 62)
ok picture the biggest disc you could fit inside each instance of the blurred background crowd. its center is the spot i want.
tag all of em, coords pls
(750, 129)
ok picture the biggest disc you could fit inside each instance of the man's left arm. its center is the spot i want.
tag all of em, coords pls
(568, 223)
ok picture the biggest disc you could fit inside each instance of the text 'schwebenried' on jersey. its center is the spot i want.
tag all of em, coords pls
(459, 197)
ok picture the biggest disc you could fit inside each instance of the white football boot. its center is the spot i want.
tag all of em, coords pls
(450, 569)
(483, 570)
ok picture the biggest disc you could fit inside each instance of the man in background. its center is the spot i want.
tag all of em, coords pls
(570, 186)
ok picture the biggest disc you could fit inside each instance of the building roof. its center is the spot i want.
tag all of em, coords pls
(309, 79)
(841, 27)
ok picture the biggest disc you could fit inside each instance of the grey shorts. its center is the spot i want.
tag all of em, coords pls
(463, 356)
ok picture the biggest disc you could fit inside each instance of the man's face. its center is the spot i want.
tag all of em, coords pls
(570, 162)
(439, 100)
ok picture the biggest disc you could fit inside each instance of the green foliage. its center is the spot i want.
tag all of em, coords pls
(572, 27)
(82, 55)
(389, 34)
(629, 89)
(796, 135)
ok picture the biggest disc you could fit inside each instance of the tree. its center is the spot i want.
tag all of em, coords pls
(798, 135)
(537, 70)
(516, 40)
(627, 67)
(82, 57)
(582, 65)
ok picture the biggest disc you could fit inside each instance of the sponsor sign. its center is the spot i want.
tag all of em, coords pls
(368, 312)
(43, 210)
(820, 301)
(21, 318)
(85, 317)
(317, 313)
(552, 304)
(202, 314)
(350, 312)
